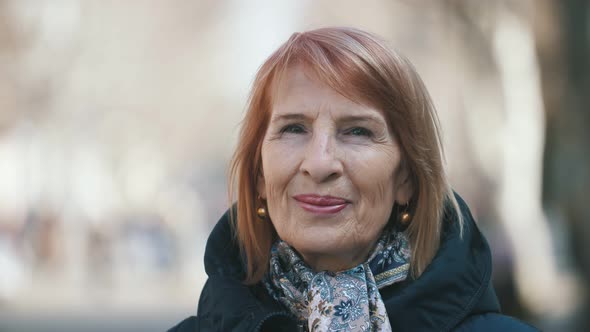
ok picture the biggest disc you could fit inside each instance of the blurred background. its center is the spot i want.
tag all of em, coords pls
(118, 119)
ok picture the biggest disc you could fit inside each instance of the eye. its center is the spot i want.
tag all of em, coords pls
(359, 131)
(293, 129)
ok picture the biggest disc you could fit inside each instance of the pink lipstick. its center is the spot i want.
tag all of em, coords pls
(321, 204)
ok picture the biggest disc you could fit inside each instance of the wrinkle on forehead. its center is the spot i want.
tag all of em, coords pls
(297, 86)
(299, 74)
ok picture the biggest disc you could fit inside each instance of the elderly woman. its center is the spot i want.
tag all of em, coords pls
(345, 219)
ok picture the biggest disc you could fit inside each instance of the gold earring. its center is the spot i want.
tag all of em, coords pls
(405, 216)
(261, 212)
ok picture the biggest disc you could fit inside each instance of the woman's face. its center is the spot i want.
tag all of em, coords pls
(331, 173)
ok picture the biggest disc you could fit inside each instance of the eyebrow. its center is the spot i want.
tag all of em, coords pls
(360, 118)
(346, 118)
(289, 116)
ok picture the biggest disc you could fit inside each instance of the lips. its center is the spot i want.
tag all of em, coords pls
(321, 204)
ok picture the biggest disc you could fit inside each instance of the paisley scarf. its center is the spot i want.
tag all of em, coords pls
(343, 301)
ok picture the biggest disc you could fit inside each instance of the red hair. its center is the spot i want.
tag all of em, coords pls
(358, 65)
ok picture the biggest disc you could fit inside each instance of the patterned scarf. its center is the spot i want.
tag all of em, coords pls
(343, 301)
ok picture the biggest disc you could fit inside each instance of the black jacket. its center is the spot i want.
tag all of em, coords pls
(454, 292)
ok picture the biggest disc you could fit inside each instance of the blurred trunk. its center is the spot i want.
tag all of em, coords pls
(9, 45)
(564, 53)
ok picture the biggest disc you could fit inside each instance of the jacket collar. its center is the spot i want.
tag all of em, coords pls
(454, 285)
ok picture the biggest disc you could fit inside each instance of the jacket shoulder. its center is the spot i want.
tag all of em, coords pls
(189, 324)
(492, 322)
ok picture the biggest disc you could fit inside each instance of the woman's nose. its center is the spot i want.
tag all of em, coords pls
(322, 161)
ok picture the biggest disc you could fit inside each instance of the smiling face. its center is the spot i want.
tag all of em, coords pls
(330, 172)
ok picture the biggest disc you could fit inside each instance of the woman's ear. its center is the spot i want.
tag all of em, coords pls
(405, 185)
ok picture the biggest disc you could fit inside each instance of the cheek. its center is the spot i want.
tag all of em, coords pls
(280, 168)
(373, 174)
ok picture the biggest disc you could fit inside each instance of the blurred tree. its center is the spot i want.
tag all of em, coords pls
(549, 85)
(564, 53)
(9, 45)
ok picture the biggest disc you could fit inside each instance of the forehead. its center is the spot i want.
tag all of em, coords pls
(298, 89)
